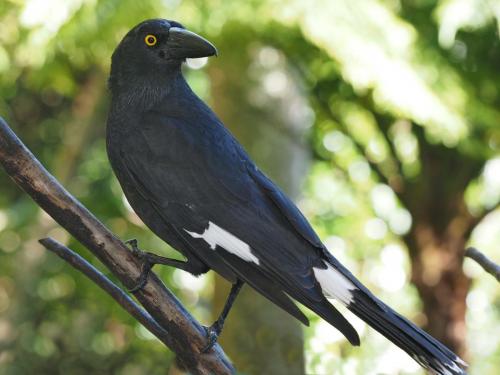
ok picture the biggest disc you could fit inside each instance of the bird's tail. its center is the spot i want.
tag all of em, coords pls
(422, 347)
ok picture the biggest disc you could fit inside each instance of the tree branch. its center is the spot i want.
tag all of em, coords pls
(187, 336)
(488, 265)
(108, 286)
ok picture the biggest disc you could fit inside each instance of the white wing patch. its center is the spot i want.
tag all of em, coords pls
(217, 236)
(334, 284)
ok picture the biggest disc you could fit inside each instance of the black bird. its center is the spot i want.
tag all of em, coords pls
(195, 187)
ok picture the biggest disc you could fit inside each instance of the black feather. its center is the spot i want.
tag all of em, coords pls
(422, 347)
(182, 170)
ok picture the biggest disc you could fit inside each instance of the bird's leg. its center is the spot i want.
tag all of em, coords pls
(215, 329)
(148, 260)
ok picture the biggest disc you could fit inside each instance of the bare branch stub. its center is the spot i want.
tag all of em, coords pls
(488, 265)
(188, 336)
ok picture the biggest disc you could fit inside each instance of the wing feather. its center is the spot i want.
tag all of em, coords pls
(218, 183)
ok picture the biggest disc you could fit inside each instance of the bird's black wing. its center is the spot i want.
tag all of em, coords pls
(204, 179)
(286, 207)
(422, 347)
(215, 183)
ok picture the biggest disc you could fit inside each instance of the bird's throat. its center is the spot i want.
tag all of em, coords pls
(146, 90)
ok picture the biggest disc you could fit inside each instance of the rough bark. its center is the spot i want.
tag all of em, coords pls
(186, 336)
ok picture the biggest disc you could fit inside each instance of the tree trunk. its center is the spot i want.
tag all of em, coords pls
(259, 337)
(441, 227)
(442, 285)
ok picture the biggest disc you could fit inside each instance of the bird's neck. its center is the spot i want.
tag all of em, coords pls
(144, 92)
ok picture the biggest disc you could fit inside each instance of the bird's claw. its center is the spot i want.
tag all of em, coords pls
(212, 334)
(134, 247)
(141, 282)
(146, 265)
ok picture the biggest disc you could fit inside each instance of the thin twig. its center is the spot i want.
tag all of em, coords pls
(489, 266)
(108, 286)
(187, 336)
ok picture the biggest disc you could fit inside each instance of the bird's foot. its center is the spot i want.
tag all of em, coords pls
(134, 247)
(212, 334)
(215, 329)
(146, 265)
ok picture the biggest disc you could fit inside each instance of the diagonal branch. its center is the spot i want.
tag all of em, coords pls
(488, 265)
(108, 286)
(187, 335)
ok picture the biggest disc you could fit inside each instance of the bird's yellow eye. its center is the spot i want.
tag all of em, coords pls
(150, 40)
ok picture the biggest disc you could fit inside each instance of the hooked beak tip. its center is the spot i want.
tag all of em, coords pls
(186, 44)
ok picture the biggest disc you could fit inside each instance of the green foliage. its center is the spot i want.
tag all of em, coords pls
(380, 79)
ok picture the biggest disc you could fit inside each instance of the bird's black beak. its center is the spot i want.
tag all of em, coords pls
(183, 44)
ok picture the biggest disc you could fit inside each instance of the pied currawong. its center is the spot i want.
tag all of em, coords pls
(195, 187)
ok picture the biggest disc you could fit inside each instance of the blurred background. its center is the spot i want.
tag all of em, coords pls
(380, 118)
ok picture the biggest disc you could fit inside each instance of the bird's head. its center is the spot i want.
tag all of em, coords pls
(155, 48)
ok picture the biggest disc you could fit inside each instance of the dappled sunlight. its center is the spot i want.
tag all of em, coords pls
(381, 117)
(392, 361)
(45, 18)
(454, 15)
(188, 281)
(4, 220)
(484, 193)
(390, 274)
(385, 204)
(382, 60)
(335, 141)
(375, 228)
(48, 14)
(491, 177)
